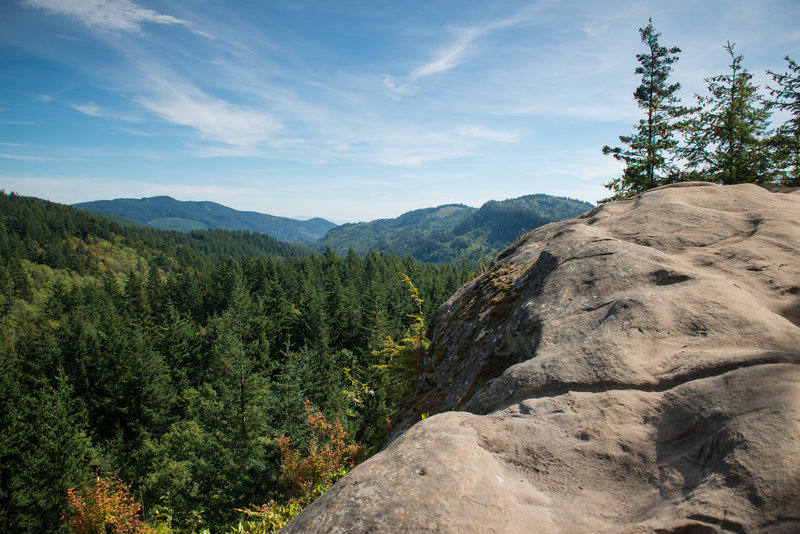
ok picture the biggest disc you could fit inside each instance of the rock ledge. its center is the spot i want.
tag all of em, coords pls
(636, 369)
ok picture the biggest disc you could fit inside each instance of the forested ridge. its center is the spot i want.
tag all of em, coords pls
(166, 213)
(173, 361)
(450, 233)
(454, 232)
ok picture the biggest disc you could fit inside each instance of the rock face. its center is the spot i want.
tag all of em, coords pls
(636, 369)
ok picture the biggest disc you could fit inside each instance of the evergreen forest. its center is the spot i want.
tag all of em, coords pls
(173, 363)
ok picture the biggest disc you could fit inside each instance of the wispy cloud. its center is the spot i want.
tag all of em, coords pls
(449, 56)
(19, 157)
(215, 119)
(487, 133)
(90, 109)
(11, 122)
(93, 110)
(413, 146)
(109, 15)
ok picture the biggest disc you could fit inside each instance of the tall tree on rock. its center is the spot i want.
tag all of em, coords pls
(786, 141)
(650, 149)
(725, 138)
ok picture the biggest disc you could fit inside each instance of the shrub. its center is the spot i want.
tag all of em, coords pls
(307, 475)
(104, 506)
(329, 456)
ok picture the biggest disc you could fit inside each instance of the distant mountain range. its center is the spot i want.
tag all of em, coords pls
(453, 232)
(167, 213)
(448, 233)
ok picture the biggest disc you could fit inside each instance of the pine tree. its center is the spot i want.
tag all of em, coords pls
(238, 349)
(650, 149)
(725, 138)
(44, 450)
(786, 141)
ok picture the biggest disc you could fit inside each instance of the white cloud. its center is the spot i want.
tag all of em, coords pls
(110, 15)
(89, 109)
(23, 157)
(26, 158)
(395, 88)
(93, 110)
(215, 119)
(487, 133)
(415, 146)
(450, 56)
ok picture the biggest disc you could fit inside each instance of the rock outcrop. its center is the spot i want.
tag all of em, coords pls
(636, 369)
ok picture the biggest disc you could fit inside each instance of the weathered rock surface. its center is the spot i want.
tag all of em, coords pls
(636, 369)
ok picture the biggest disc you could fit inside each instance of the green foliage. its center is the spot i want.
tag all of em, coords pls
(651, 149)
(402, 360)
(44, 450)
(267, 518)
(188, 363)
(307, 474)
(726, 137)
(785, 144)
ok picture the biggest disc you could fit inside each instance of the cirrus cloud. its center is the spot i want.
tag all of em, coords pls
(471, 130)
(215, 119)
(109, 15)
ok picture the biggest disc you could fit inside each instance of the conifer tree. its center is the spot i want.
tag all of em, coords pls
(238, 349)
(650, 149)
(786, 141)
(725, 138)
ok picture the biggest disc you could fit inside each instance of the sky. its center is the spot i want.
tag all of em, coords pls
(347, 110)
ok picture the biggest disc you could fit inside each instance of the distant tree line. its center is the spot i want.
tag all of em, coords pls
(724, 138)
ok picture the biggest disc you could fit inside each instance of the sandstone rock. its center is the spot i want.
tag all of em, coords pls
(632, 370)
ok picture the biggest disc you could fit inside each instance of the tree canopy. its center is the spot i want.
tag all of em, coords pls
(163, 360)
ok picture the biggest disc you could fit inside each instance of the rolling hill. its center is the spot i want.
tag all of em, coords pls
(166, 213)
(444, 234)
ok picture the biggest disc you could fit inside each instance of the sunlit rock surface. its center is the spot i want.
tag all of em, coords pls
(632, 370)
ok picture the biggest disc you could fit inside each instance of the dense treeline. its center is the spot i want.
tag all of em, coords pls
(60, 236)
(724, 138)
(174, 360)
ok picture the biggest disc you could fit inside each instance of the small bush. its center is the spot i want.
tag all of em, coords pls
(329, 456)
(104, 506)
(307, 475)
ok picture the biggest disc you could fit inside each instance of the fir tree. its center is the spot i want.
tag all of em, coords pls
(725, 138)
(650, 149)
(786, 141)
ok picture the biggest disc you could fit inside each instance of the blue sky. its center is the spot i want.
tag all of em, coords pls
(348, 110)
